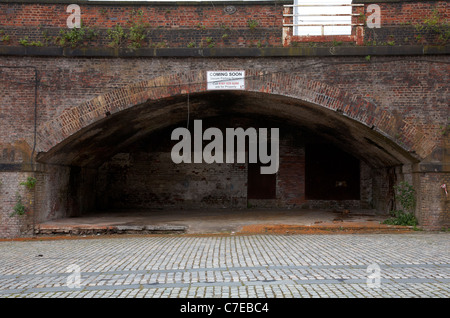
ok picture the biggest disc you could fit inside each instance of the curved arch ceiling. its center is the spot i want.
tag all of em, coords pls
(91, 146)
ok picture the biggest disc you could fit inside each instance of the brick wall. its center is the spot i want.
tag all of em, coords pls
(412, 89)
(166, 25)
(432, 198)
(209, 24)
(402, 23)
(144, 176)
(12, 193)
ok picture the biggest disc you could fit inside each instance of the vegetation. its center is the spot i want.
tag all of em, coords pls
(30, 183)
(116, 35)
(210, 42)
(252, 24)
(4, 37)
(74, 37)
(435, 24)
(25, 42)
(19, 208)
(136, 35)
(138, 29)
(200, 26)
(405, 194)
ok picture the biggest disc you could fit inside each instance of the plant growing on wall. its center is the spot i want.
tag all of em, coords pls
(4, 37)
(137, 32)
(435, 24)
(30, 183)
(25, 42)
(138, 29)
(73, 37)
(46, 37)
(116, 35)
(210, 42)
(19, 208)
(405, 194)
(252, 24)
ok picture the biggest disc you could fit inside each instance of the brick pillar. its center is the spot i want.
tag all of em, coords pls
(13, 194)
(433, 208)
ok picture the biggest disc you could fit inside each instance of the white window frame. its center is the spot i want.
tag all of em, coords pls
(324, 17)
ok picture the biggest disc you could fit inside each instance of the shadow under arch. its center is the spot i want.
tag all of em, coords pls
(87, 134)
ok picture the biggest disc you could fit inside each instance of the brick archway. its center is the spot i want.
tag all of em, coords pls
(295, 86)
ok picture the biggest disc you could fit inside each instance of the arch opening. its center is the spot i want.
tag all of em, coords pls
(122, 162)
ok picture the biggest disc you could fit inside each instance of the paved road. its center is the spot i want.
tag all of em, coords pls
(410, 265)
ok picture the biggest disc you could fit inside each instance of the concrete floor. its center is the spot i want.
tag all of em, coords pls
(224, 220)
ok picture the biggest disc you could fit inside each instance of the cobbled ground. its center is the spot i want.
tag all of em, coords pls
(260, 266)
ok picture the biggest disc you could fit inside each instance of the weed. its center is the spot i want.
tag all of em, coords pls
(435, 24)
(75, 36)
(19, 208)
(116, 35)
(400, 217)
(252, 24)
(30, 183)
(4, 37)
(210, 42)
(138, 29)
(24, 41)
(405, 194)
(200, 26)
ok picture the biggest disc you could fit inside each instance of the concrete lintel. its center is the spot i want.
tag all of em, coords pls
(432, 167)
(19, 167)
(388, 1)
(227, 52)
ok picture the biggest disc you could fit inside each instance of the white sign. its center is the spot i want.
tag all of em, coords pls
(225, 79)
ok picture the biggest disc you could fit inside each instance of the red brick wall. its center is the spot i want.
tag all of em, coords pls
(10, 192)
(169, 25)
(412, 89)
(208, 25)
(400, 23)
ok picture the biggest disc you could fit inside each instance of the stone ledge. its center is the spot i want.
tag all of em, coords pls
(388, 1)
(99, 229)
(226, 52)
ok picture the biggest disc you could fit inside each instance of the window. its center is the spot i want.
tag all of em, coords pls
(312, 12)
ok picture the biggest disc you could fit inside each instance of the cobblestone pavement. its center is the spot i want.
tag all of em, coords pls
(411, 265)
